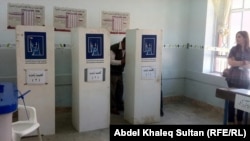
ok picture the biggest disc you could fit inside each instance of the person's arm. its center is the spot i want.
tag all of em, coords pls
(246, 65)
(233, 63)
(231, 59)
(112, 59)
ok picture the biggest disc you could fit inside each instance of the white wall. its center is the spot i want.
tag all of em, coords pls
(173, 58)
(200, 85)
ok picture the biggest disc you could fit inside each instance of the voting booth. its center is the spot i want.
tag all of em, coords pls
(142, 76)
(36, 72)
(90, 79)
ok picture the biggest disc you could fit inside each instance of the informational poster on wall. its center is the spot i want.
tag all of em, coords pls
(94, 48)
(23, 14)
(34, 77)
(148, 49)
(115, 22)
(35, 48)
(66, 18)
(148, 73)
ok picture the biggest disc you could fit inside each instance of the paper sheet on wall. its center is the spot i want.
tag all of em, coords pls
(65, 18)
(23, 14)
(115, 22)
(242, 102)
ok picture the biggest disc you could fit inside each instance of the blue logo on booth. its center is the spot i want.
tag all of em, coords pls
(148, 49)
(35, 45)
(94, 46)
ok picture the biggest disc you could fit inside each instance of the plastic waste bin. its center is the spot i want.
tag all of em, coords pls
(8, 105)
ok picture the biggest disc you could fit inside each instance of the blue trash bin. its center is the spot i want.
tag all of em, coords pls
(8, 105)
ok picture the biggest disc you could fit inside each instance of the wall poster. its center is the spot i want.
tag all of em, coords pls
(23, 14)
(115, 22)
(35, 47)
(94, 48)
(65, 18)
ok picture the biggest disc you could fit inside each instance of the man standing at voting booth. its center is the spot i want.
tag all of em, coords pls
(117, 58)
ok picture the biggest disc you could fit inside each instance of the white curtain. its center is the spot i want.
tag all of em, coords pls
(222, 11)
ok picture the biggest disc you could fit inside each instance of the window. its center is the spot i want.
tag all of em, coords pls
(238, 20)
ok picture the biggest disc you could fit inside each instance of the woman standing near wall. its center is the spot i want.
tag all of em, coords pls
(239, 61)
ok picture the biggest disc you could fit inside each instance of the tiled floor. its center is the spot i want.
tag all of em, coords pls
(176, 112)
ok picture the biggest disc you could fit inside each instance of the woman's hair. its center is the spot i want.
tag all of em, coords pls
(244, 34)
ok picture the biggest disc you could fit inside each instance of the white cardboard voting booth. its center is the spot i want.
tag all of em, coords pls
(36, 72)
(90, 79)
(142, 76)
